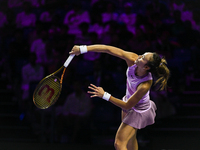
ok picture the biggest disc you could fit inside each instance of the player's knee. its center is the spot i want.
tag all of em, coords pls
(116, 145)
(119, 144)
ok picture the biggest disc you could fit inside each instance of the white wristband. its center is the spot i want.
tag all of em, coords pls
(106, 96)
(83, 49)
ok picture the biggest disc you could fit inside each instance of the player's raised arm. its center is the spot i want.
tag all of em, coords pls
(129, 57)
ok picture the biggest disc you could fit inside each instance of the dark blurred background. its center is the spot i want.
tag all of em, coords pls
(35, 39)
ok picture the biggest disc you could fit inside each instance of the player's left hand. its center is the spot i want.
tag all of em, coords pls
(97, 91)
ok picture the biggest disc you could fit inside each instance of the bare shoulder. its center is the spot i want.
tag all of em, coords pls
(130, 58)
(145, 86)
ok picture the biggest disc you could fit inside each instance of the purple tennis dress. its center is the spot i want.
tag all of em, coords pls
(143, 113)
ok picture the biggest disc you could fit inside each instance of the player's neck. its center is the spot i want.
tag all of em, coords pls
(140, 72)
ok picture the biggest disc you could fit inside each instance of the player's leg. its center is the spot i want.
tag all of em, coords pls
(124, 134)
(132, 143)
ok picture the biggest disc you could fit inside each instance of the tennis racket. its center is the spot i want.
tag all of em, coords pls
(49, 88)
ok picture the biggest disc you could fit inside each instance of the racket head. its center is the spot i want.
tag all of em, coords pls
(47, 92)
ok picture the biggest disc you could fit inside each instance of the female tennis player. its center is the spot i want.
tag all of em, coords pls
(138, 110)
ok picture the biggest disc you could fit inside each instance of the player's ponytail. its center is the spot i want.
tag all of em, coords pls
(158, 67)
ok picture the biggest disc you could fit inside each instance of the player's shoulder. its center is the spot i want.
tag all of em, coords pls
(130, 57)
(146, 85)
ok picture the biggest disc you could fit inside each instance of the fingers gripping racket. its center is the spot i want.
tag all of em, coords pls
(49, 88)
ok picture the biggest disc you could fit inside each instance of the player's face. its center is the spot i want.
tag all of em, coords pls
(142, 60)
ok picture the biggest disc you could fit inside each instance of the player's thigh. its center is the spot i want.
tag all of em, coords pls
(125, 133)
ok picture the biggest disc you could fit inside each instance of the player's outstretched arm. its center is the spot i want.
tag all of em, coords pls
(129, 57)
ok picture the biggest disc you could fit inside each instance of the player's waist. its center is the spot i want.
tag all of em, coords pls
(142, 106)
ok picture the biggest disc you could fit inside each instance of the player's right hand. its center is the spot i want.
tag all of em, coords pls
(75, 50)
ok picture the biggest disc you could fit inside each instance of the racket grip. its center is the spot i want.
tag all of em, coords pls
(69, 59)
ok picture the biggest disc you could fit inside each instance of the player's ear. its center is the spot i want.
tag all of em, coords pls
(146, 67)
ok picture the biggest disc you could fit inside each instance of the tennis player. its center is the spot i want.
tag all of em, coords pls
(138, 111)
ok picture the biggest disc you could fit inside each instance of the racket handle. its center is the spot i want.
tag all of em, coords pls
(69, 59)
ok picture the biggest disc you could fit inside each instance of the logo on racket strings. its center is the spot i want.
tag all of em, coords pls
(48, 90)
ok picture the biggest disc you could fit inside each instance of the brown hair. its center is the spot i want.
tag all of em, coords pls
(158, 67)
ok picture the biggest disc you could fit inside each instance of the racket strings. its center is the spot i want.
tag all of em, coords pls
(47, 92)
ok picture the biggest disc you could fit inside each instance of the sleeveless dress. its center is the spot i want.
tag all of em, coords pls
(143, 113)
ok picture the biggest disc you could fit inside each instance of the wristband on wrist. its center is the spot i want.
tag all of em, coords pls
(106, 96)
(83, 49)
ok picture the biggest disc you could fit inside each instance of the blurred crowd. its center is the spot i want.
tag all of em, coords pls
(37, 35)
